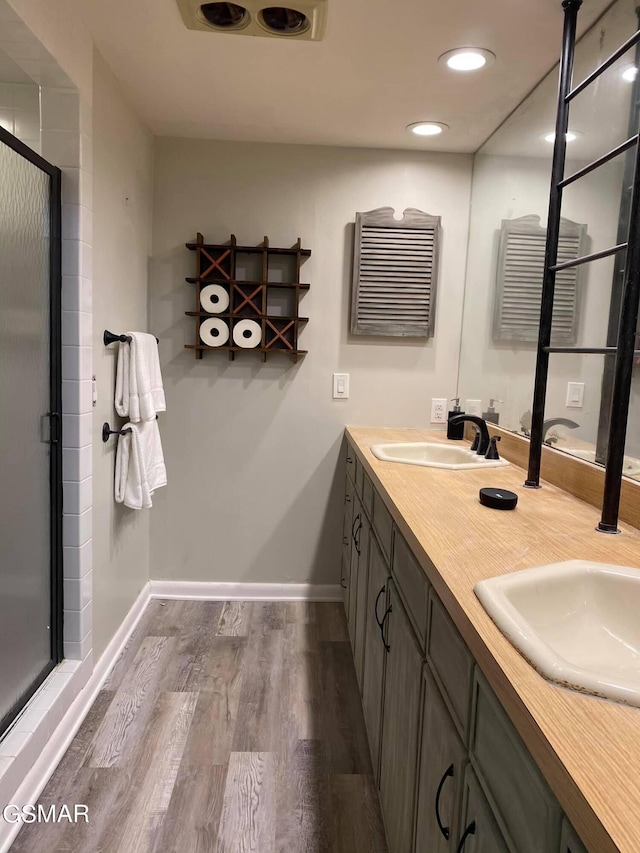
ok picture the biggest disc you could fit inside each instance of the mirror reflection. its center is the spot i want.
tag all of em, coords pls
(509, 206)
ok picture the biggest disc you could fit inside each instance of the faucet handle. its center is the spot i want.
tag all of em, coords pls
(492, 450)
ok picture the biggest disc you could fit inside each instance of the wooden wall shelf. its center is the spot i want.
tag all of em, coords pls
(260, 284)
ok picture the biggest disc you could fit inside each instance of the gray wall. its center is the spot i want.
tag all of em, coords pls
(122, 188)
(251, 448)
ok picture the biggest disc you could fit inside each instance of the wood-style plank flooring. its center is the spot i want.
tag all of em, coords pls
(227, 727)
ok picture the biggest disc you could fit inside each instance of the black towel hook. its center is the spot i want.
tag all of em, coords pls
(107, 431)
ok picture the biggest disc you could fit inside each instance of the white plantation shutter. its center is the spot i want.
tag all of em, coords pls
(519, 281)
(394, 273)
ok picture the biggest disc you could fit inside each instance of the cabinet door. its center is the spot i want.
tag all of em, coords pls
(355, 536)
(442, 760)
(361, 601)
(349, 499)
(400, 722)
(570, 842)
(479, 832)
(374, 662)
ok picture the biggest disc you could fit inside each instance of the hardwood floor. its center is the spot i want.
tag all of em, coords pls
(229, 727)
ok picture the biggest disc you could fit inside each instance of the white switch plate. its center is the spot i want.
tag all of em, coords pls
(439, 410)
(340, 386)
(473, 407)
(575, 395)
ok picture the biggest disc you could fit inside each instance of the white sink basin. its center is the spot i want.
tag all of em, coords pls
(576, 622)
(433, 455)
(630, 466)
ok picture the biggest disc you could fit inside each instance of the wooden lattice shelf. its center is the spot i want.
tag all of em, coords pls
(247, 294)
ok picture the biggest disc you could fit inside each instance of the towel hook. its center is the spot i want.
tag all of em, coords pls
(107, 431)
(111, 338)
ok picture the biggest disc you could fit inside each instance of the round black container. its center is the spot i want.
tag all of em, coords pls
(498, 498)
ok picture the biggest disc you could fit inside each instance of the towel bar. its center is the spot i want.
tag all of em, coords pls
(111, 338)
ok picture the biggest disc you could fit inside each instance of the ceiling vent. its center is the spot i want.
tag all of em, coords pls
(306, 20)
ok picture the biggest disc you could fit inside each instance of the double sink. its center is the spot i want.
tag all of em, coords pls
(575, 622)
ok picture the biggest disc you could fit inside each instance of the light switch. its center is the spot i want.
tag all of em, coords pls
(575, 395)
(340, 386)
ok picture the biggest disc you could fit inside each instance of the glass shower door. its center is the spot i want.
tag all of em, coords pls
(30, 448)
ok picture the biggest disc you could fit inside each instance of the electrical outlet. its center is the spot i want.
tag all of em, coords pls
(439, 410)
(473, 407)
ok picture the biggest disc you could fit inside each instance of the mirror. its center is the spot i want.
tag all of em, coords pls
(510, 197)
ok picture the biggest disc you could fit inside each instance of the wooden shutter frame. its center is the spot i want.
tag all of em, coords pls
(383, 217)
(530, 225)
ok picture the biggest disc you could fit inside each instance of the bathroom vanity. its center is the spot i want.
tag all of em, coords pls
(472, 750)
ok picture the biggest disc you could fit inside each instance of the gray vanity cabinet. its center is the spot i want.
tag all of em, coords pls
(374, 658)
(442, 760)
(400, 727)
(479, 832)
(347, 521)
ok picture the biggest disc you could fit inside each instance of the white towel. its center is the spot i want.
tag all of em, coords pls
(139, 392)
(140, 466)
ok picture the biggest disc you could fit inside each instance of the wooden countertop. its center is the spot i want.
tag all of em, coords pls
(587, 748)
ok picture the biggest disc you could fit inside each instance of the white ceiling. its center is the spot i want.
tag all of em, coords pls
(374, 72)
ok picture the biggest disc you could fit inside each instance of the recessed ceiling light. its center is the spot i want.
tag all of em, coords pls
(467, 58)
(570, 136)
(427, 128)
(630, 73)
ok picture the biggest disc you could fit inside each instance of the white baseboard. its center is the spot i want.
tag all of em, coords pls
(212, 591)
(46, 763)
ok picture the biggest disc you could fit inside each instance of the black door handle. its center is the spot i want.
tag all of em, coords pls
(353, 526)
(356, 538)
(470, 830)
(443, 829)
(387, 647)
(382, 589)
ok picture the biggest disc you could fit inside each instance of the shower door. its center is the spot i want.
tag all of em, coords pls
(30, 425)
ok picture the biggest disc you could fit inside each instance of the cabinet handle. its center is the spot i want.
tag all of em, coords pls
(443, 829)
(345, 540)
(353, 526)
(343, 583)
(383, 588)
(349, 460)
(387, 647)
(356, 538)
(470, 830)
(347, 499)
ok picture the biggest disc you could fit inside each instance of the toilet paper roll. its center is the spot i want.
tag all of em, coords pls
(247, 334)
(214, 332)
(214, 298)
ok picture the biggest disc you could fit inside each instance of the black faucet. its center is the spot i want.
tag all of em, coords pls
(481, 442)
(546, 426)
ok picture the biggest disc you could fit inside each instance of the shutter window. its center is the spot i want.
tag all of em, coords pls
(519, 281)
(394, 273)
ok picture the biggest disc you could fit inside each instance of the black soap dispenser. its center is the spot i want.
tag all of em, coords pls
(455, 431)
(491, 416)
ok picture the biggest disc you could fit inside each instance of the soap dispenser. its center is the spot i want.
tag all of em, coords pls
(455, 431)
(491, 416)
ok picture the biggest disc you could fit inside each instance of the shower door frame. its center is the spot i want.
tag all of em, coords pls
(54, 415)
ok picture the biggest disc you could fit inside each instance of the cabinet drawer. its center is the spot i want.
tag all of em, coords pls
(367, 494)
(570, 842)
(383, 526)
(451, 662)
(413, 587)
(523, 801)
(351, 462)
(479, 832)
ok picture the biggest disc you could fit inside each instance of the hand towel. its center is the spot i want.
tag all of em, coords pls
(140, 468)
(139, 391)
